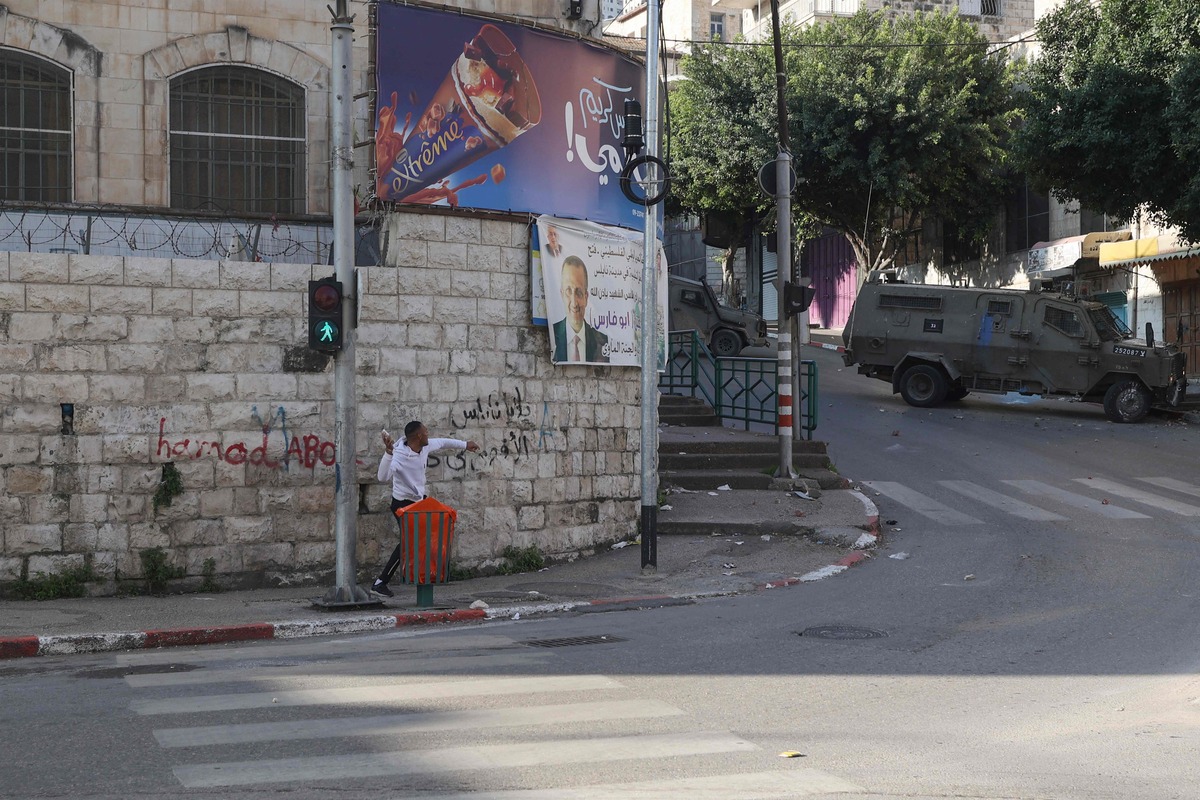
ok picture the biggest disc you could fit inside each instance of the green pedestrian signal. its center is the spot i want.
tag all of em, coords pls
(325, 315)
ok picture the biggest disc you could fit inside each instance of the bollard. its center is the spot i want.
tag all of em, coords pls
(427, 532)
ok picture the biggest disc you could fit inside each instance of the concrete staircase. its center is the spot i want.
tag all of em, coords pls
(677, 410)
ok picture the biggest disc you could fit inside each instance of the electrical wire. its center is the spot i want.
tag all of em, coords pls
(998, 46)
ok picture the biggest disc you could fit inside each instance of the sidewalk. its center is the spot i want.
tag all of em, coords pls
(735, 542)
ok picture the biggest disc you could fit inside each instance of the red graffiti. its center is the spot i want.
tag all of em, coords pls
(306, 451)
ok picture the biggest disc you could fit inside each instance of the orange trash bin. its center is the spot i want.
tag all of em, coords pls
(426, 535)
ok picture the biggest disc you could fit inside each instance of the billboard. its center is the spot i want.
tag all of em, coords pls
(490, 115)
(587, 282)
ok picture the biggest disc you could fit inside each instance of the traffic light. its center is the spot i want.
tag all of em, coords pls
(796, 299)
(325, 315)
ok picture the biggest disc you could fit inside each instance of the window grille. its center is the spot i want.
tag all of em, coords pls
(1003, 307)
(237, 141)
(910, 301)
(35, 129)
(1064, 320)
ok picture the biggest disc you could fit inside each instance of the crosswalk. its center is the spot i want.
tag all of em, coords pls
(423, 712)
(951, 502)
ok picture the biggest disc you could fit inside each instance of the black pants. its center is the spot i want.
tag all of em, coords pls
(393, 563)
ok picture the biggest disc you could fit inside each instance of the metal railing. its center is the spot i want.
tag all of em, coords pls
(739, 389)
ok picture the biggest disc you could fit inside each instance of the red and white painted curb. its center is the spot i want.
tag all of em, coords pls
(837, 348)
(78, 643)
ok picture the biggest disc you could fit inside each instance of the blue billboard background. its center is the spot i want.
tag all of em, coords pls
(442, 128)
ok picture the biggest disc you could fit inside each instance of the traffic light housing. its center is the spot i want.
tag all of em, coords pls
(797, 299)
(325, 323)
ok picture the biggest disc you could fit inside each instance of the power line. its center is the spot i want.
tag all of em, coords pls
(845, 45)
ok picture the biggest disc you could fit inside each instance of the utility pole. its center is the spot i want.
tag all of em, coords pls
(346, 592)
(783, 254)
(649, 323)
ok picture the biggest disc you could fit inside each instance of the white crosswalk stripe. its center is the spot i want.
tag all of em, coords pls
(1084, 502)
(1002, 502)
(1174, 485)
(1139, 496)
(491, 706)
(922, 504)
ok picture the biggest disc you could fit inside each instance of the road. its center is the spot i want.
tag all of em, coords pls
(1034, 642)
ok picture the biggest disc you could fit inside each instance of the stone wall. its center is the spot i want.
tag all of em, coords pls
(204, 365)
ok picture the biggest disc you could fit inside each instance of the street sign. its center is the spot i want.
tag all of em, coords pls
(767, 182)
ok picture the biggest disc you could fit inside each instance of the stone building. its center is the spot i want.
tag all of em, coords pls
(147, 332)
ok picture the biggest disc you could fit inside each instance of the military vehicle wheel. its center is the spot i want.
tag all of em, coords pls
(726, 343)
(1126, 401)
(923, 386)
(957, 393)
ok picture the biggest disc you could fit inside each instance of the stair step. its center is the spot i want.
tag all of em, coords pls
(709, 481)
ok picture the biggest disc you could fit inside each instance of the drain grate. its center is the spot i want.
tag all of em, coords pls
(571, 641)
(841, 632)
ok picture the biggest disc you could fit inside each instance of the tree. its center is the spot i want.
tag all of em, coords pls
(907, 113)
(722, 131)
(1110, 115)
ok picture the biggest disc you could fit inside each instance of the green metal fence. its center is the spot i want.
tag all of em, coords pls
(739, 389)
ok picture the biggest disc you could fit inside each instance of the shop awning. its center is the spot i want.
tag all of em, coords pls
(1058, 258)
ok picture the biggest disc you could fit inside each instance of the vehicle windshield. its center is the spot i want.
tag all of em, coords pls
(1109, 325)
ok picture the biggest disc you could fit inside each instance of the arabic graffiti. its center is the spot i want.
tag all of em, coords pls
(505, 406)
(514, 444)
(307, 450)
(597, 103)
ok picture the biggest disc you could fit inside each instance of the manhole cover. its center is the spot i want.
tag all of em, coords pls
(572, 641)
(842, 632)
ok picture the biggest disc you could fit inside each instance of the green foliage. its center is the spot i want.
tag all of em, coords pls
(170, 487)
(156, 570)
(459, 573)
(1110, 115)
(68, 583)
(521, 559)
(209, 573)
(873, 126)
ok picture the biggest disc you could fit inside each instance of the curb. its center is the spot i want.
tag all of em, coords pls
(837, 348)
(80, 643)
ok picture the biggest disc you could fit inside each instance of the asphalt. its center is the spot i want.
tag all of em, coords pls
(729, 542)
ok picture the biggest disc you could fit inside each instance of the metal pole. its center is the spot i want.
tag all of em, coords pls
(346, 592)
(649, 322)
(783, 253)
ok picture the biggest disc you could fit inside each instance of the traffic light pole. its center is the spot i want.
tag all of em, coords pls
(346, 592)
(783, 255)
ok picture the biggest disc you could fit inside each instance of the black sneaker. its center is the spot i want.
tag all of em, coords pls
(381, 588)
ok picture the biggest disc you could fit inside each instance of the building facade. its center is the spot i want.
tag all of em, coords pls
(165, 202)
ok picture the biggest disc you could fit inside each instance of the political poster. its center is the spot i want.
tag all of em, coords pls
(591, 292)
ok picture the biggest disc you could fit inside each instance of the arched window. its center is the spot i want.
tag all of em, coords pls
(35, 129)
(237, 141)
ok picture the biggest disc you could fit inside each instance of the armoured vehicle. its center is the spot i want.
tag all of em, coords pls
(694, 306)
(940, 343)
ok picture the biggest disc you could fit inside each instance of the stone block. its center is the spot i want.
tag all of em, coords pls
(12, 297)
(107, 270)
(38, 267)
(140, 358)
(22, 479)
(57, 298)
(150, 330)
(496, 232)
(121, 300)
(289, 278)
(450, 256)
(127, 449)
(382, 280)
(175, 302)
(484, 258)
(427, 227)
(379, 387)
(203, 387)
(270, 304)
(385, 308)
(463, 229)
(402, 253)
(16, 358)
(112, 389)
(492, 312)
(19, 448)
(267, 556)
(260, 387)
(46, 508)
(455, 309)
(246, 275)
(151, 272)
(144, 535)
(31, 327)
(193, 532)
(54, 564)
(193, 273)
(92, 327)
(315, 554)
(397, 361)
(245, 358)
(10, 568)
(22, 540)
(72, 358)
(215, 303)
